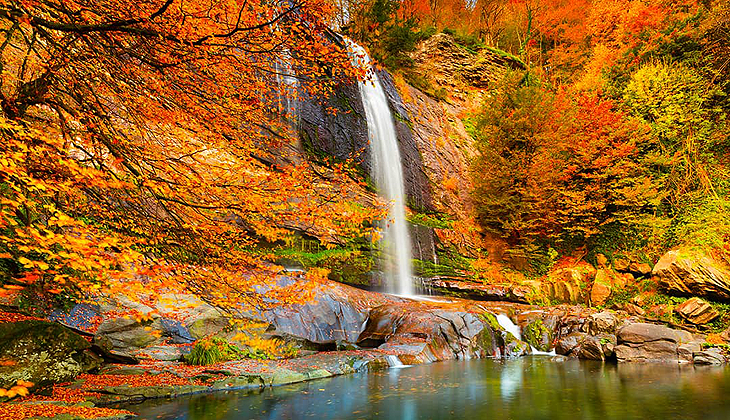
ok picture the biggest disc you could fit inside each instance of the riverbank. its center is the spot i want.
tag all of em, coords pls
(343, 331)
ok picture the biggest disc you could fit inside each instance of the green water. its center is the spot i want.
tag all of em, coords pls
(525, 388)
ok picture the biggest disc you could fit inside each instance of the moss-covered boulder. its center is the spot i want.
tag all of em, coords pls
(42, 352)
(538, 335)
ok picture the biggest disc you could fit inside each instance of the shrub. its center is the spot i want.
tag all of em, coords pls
(209, 351)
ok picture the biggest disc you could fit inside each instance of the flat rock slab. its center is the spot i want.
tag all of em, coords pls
(640, 333)
(641, 342)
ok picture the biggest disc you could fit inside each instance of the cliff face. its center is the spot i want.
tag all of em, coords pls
(343, 134)
(434, 144)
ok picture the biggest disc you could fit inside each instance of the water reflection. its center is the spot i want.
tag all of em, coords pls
(525, 388)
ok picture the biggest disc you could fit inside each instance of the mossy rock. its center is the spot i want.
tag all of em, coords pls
(42, 352)
(537, 335)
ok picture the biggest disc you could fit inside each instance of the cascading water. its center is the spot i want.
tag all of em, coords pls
(387, 172)
(287, 84)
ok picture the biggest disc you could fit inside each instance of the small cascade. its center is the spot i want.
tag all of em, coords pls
(509, 326)
(387, 172)
(394, 362)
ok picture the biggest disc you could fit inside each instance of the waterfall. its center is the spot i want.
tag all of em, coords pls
(509, 326)
(288, 85)
(387, 172)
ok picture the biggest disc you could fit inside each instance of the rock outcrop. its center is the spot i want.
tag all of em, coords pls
(480, 291)
(422, 332)
(42, 352)
(447, 63)
(697, 311)
(692, 272)
(568, 282)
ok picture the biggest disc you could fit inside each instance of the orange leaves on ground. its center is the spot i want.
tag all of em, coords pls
(101, 381)
(15, 317)
(24, 411)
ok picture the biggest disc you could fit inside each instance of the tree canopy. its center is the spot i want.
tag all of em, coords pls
(139, 137)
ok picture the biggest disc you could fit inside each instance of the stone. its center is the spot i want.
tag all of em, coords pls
(42, 352)
(570, 344)
(633, 309)
(602, 322)
(686, 351)
(711, 356)
(693, 272)
(338, 314)
(697, 311)
(600, 293)
(601, 261)
(431, 332)
(640, 269)
(621, 265)
(642, 333)
(127, 334)
(597, 347)
(650, 343)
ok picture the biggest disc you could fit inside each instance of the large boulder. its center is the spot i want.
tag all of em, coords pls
(568, 282)
(642, 342)
(427, 332)
(338, 313)
(42, 352)
(693, 272)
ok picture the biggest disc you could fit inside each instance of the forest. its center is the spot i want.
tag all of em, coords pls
(221, 194)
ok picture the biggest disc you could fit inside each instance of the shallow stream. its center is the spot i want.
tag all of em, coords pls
(534, 387)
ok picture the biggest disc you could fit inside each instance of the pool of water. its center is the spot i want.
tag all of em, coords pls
(525, 388)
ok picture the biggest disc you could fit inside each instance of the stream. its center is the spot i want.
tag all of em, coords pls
(536, 387)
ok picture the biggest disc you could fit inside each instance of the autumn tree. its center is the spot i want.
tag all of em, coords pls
(560, 168)
(146, 136)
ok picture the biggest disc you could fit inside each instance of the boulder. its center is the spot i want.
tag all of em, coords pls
(621, 265)
(337, 314)
(570, 344)
(697, 311)
(427, 332)
(600, 292)
(640, 269)
(692, 272)
(650, 343)
(597, 347)
(42, 352)
(711, 356)
(127, 334)
(602, 322)
(567, 282)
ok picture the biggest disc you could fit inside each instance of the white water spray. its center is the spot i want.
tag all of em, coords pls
(387, 172)
(509, 326)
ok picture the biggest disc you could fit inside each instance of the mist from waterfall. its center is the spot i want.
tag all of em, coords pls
(387, 172)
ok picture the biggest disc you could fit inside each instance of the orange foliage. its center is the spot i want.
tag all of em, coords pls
(25, 411)
(144, 148)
